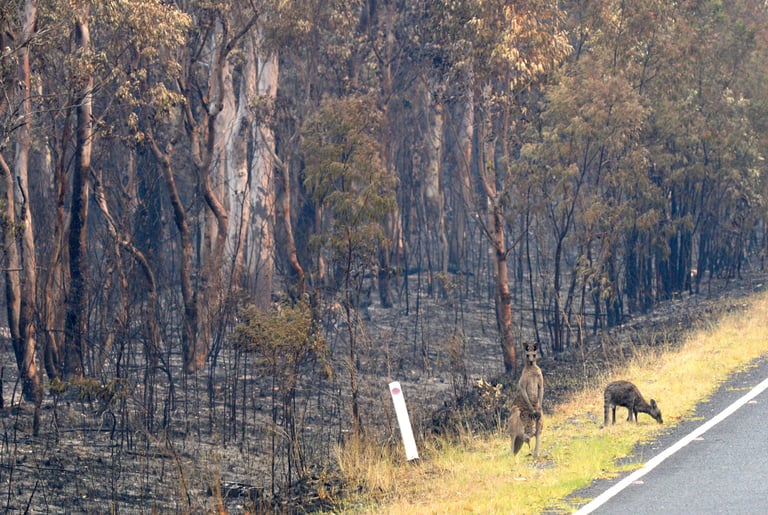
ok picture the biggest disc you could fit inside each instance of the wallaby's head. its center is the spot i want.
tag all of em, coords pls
(656, 412)
(531, 354)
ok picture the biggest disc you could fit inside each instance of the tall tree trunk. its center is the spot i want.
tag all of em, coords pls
(26, 234)
(279, 195)
(13, 261)
(391, 248)
(557, 319)
(188, 296)
(503, 296)
(18, 292)
(433, 191)
(263, 189)
(52, 315)
(464, 199)
(238, 194)
(18, 231)
(495, 232)
(208, 151)
(297, 288)
(76, 305)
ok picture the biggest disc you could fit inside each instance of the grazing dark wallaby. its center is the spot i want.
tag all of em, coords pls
(525, 416)
(626, 394)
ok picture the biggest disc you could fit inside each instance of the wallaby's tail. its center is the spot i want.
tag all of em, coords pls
(517, 443)
(516, 430)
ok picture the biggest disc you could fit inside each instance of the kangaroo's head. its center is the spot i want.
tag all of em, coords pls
(656, 412)
(531, 354)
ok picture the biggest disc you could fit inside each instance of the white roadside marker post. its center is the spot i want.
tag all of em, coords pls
(411, 453)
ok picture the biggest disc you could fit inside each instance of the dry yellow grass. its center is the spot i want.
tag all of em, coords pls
(480, 475)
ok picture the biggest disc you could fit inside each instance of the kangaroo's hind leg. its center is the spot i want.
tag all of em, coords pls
(538, 425)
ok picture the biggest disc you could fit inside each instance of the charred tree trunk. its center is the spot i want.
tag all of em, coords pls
(503, 296)
(298, 286)
(77, 306)
(52, 316)
(189, 320)
(464, 199)
(557, 329)
(495, 233)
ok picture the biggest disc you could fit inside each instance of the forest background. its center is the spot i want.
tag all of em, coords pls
(222, 219)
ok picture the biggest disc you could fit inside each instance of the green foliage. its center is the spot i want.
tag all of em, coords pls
(89, 389)
(148, 34)
(148, 26)
(508, 45)
(285, 335)
(346, 177)
(9, 227)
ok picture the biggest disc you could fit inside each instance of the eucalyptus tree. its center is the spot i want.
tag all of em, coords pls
(314, 39)
(505, 51)
(354, 193)
(76, 325)
(90, 81)
(134, 45)
(702, 141)
(655, 134)
(219, 124)
(584, 167)
(18, 229)
(55, 102)
(587, 161)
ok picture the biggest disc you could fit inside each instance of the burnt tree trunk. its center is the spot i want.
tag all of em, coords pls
(76, 304)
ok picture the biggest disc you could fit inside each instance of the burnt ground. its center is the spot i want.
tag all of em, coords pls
(218, 442)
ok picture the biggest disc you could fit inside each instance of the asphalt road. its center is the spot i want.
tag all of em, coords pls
(717, 462)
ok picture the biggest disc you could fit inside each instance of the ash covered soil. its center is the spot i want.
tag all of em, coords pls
(215, 442)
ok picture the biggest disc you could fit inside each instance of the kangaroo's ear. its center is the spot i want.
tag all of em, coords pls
(653, 404)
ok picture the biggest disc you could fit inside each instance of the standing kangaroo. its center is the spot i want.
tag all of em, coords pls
(626, 394)
(525, 416)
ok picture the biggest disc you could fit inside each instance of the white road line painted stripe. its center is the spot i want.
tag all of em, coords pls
(656, 460)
